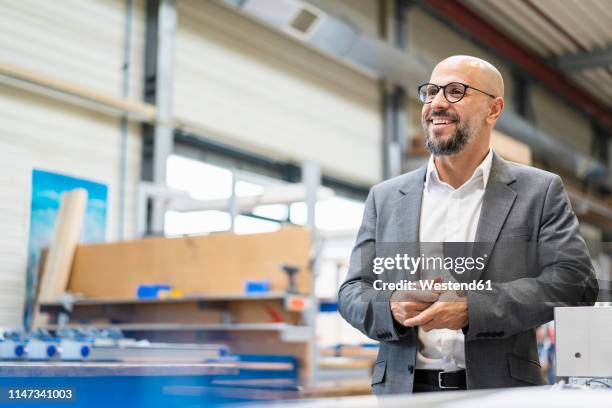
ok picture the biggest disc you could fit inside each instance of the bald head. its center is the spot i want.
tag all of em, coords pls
(464, 121)
(475, 71)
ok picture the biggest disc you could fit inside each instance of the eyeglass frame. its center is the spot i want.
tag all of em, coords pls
(465, 88)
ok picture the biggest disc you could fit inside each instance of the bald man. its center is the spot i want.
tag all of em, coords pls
(529, 255)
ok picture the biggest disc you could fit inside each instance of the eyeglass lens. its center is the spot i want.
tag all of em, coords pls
(453, 92)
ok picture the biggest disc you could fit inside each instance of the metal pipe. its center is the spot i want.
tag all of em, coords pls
(337, 38)
(164, 136)
(127, 62)
(552, 151)
(311, 177)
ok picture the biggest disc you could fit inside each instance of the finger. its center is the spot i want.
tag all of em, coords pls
(416, 311)
(412, 306)
(410, 315)
(423, 318)
(409, 306)
(429, 325)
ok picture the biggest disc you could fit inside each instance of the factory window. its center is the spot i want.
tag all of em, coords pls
(213, 185)
(205, 181)
(196, 222)
(334, 214)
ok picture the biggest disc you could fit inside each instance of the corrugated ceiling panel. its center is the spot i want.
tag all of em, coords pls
(516, 19)
(572, 19)
(599, 29)
(250, 86)
(574, 26)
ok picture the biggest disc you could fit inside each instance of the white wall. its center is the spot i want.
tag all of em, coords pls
(15, 180)
(78, 41)
(66, 139)
(252, 87)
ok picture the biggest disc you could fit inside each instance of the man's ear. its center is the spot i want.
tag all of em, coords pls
(495, 110)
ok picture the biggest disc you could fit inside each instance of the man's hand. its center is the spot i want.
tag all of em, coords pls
(408, 304)
(449, 312)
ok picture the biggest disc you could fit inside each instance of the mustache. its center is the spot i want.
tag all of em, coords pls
(442, 115)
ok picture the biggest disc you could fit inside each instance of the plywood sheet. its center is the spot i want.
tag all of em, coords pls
(215, 264)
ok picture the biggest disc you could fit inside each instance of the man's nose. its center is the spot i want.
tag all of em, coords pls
(439, 101)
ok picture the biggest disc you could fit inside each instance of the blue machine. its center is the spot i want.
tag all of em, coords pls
(100, 368)
(151, 385)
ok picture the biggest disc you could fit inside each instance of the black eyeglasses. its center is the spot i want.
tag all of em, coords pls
(453, 92)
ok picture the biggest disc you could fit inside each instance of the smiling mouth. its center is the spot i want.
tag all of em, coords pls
(441, 122)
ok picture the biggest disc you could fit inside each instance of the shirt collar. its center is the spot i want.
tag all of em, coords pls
(482, 172)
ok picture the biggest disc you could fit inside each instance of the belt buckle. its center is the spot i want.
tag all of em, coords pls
(443, 387)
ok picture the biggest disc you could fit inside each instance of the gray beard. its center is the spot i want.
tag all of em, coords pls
(453, 145)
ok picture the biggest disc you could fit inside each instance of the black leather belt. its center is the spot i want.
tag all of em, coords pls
(444, 380)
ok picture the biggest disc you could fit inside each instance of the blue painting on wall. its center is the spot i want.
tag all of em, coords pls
(47, 189)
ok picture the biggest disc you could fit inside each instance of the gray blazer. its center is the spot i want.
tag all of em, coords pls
(521, 204)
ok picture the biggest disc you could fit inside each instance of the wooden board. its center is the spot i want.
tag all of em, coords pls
(133, 108)
(215, 264)
(58, 261)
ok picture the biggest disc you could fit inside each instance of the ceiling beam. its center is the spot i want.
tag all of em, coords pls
(600, 58)
(469, 21)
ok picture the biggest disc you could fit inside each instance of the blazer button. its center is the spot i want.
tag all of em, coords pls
(410, 368)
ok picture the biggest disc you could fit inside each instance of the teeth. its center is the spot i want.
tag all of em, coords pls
(440, 122)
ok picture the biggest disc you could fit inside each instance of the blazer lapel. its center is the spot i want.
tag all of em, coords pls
(408, 210)
(496, 204)
(408, 215)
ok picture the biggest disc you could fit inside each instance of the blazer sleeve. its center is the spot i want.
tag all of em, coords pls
(365, 308)
(566, 278)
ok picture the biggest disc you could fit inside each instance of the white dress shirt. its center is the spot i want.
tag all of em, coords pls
(448, 215)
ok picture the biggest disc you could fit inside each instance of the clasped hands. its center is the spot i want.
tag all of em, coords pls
(430, 309)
